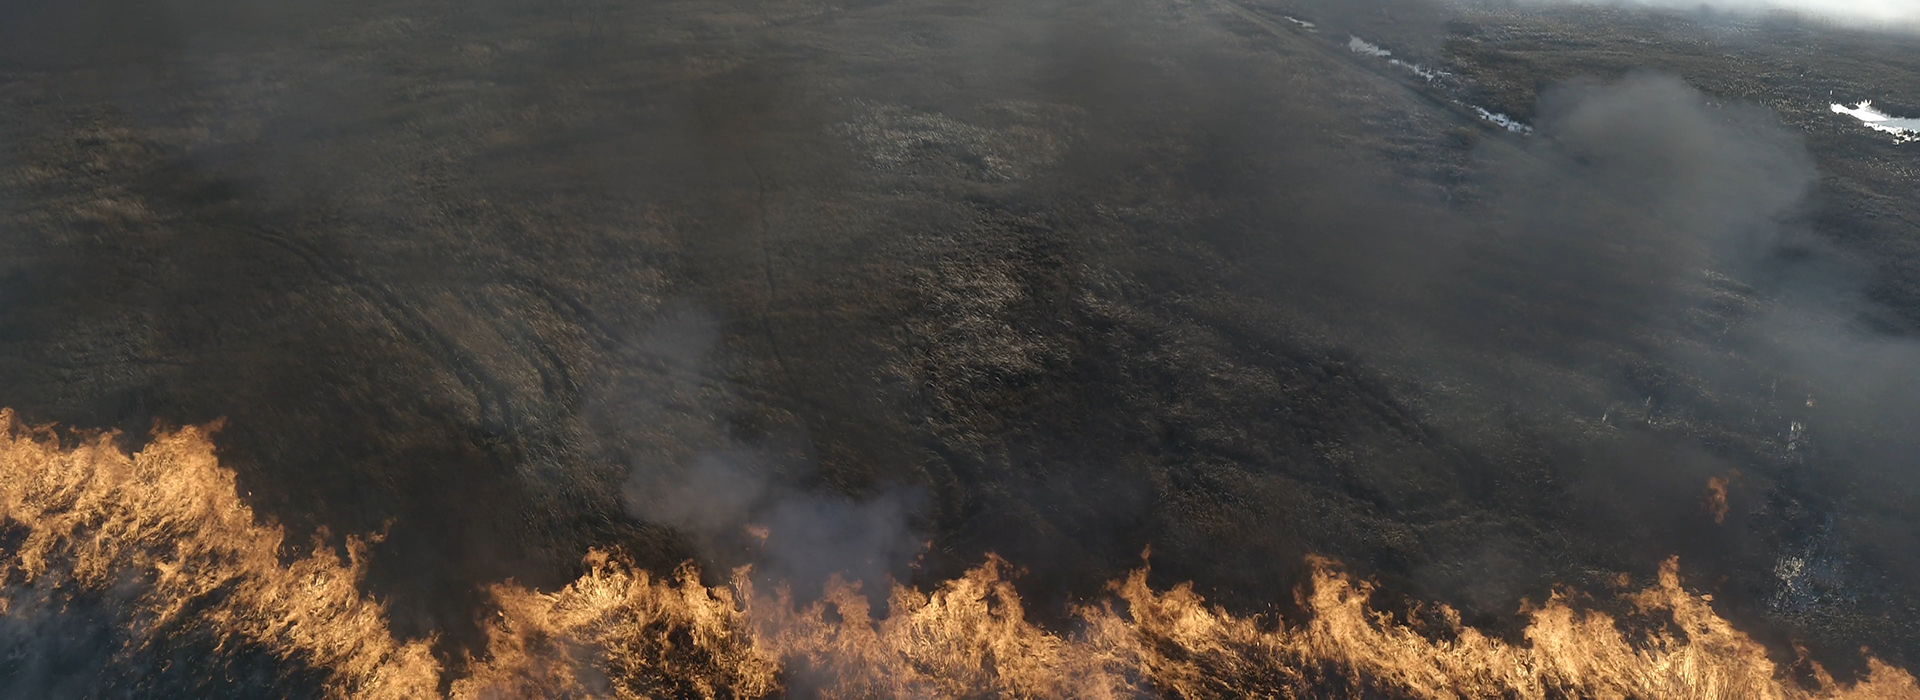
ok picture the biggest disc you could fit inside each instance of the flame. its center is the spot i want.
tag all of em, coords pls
(619, 632)
(1716, 501)
(168, 525)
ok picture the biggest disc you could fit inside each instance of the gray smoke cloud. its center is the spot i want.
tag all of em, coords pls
(729, 504)
(1640, 304)
(1899, 14)
(1634, 189)
(1692, 247)
(1134, 273)
(743, 503)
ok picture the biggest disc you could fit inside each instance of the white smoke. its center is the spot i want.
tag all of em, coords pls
(1867, 13)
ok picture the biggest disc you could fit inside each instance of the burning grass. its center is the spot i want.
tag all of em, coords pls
(165, 538)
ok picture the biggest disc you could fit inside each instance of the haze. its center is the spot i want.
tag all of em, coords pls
(1891, 13)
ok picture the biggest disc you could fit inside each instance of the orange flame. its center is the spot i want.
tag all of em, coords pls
(1716, 502)
(167, 523)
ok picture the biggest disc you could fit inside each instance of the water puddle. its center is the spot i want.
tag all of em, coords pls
(1904, 130)
(1433, 77)
(1366, 48)
(1503, 121)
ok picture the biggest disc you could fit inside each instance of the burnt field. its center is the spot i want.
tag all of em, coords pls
(880, 289)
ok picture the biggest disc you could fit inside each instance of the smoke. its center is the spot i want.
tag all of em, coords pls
(1689, 252)
(1108, 274)
(1630, 192)
(1720, 192)
(1899, 14)
(741, 503)
(728, 504)
(1634, 303)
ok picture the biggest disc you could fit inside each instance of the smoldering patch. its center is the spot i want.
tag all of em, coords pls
(737, 509)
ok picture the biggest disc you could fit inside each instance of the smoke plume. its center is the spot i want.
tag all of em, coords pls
(885, 290)
(1886, 14)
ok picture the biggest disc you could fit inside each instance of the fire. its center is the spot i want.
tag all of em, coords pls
(167, 528)
(1716, 499)
(620, 632)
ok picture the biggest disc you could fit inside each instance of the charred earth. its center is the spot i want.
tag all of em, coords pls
(1482, 301)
